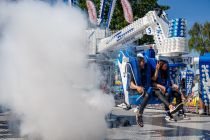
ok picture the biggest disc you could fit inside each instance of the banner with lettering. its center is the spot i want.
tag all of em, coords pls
(204, 68)
(189, 82)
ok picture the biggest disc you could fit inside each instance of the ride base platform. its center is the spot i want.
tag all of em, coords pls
(156, 127)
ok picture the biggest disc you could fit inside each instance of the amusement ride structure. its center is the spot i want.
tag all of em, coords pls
(170, 43)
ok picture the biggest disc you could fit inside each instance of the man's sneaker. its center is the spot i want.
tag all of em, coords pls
(139, 120)
(124, 106)
(136, 110)
(176, 108)
(169, 117)
(180, 113)
(185, 117)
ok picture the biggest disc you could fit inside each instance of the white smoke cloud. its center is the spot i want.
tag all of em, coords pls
(43, 72)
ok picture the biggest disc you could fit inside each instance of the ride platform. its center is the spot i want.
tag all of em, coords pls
(156, 127)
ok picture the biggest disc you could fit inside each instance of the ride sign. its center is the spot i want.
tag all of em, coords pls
(189, 81)
(204, 67)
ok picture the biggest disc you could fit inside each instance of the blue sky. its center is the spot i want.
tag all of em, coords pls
(191, 10)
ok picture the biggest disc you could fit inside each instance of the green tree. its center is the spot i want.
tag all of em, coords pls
(200, 37)
(140, 8)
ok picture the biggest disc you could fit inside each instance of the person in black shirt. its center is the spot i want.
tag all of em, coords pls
(134, 87)
(161, 80)
(142, 90)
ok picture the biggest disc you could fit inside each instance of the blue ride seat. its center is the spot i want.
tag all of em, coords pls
(125, 61)
(136, 98)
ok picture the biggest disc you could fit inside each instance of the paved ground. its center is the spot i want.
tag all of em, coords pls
(8, 130)
(156, 128)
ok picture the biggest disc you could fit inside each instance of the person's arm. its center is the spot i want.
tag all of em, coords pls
(155, 76)
(138, 88)
(158, 86)
(162, 88)
(132, 85)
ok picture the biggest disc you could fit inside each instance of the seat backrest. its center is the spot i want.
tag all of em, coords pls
(150, 53)
(132, 63)
(133, 67)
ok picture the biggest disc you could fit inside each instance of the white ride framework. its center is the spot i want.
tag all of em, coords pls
(153, 23)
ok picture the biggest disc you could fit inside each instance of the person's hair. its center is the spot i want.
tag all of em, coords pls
(161, 62)
(164, 74)
(140, 59)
